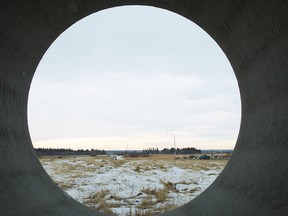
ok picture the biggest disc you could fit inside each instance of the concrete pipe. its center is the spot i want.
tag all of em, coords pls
(253, 35)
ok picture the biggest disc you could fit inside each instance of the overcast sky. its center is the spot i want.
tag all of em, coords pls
(124, 77)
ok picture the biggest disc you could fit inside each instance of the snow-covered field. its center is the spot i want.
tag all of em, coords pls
(132, 186)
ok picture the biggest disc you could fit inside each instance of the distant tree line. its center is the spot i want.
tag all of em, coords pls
(62, 151)
(151, 151)
(191, 150)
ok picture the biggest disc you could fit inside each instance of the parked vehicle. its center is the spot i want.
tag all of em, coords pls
(204, 157)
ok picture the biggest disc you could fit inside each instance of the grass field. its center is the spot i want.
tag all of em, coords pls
(129, 186)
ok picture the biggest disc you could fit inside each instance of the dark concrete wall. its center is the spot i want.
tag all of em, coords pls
(254, 36)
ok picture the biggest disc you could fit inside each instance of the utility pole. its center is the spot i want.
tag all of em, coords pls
(174, 140)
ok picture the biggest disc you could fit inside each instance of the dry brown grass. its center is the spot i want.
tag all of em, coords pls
(92, 164)
(159, 194)
(153, 157)
(153, 210)
(193, 190)
(100, 202)
(137, 168)
(147, 203)
(162, 195)
(169, 186)
(118, 163)
(64, 185)
(165, 208)
(97, 197)
(161, 161)
(105, 201)
(149, 191)
(104, 207)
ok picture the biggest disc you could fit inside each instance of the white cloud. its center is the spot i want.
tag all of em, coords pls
(111, 85)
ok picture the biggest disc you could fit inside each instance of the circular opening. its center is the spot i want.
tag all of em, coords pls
(134, 78)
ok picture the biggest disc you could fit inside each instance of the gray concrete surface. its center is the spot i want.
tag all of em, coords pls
(254, 36)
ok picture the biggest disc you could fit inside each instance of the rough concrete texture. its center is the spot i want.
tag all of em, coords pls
(254, 36)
